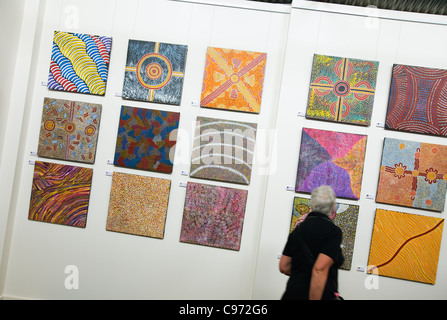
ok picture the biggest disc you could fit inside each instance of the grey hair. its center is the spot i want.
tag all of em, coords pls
(322, 199)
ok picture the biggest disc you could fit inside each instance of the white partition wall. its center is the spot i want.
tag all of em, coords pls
(38, 258)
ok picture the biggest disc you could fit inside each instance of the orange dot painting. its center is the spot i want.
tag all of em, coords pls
(69, 130)
(233, 80)
(405, 246)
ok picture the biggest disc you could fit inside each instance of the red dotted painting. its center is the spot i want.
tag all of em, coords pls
(418, 100)
(413, 174)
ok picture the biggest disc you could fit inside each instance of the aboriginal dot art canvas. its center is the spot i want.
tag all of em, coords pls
(331, 158)
(146, 139)
(342, 90)
(405, 246)
(60, 194)
(138, 205)
(79, 63)
(69, 130)
(233, 79)
(154, 72)
(223, 150)
(344, 216)
(413, 174)
(418, 100)
(213, 216)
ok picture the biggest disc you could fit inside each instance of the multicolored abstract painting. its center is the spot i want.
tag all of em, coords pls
(60, 194)
(233, 80)
(405, 246)
(146, 139)
(413, 174)
(223, 150)
(342, 90)
(344, 216)
(418, 100)
(213, 216)
(331, 158)
(79, 63)
(138, 205)
(154, 72)
(69, 130)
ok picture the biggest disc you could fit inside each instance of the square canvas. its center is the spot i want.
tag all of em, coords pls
(69, 130)
(233, 79)
(60, 194)
(418, 100)
(138, 205)
(413, 174)
(331, 158)
(223, 150)
(344, 216)
(146, 139)
(79, 63)
(405, 246)
(154, 72)
(342, 89)
(213, 216)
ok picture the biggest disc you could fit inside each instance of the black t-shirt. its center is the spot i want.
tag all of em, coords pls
(320, 235)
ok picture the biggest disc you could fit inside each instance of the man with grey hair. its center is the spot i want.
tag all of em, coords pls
(312, 253)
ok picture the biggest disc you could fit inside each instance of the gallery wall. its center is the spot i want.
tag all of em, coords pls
(116, 265)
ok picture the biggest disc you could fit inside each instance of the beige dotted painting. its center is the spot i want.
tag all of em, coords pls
(138, 205)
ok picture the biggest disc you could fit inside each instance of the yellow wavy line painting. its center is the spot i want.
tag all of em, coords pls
(405, 246)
